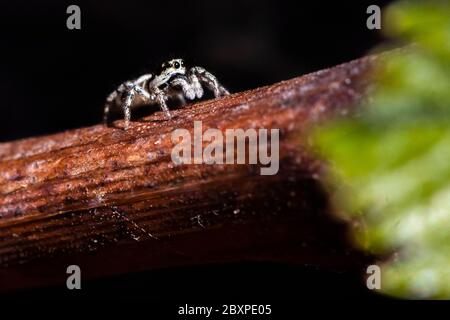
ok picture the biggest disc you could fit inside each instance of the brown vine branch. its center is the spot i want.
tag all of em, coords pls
(113, 200)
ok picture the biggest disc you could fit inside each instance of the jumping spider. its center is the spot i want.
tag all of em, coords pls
(173, 81)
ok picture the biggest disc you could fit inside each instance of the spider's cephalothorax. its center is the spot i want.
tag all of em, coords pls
(174, 80)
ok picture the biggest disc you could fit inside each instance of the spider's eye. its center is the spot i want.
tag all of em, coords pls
(177, 65)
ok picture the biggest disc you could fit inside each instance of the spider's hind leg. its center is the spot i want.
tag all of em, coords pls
(126, 105)
(110, 100)
(131, 89)
(210, 81)
(160, 98)
(124, 96)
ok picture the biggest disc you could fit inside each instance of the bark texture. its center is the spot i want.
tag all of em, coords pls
(113, 201)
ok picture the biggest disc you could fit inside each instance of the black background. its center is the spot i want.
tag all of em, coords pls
(54, 79)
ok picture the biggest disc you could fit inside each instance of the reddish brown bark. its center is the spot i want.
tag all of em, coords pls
(118, 194)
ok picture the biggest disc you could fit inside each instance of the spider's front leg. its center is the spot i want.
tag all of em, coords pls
(189, 89)
(209, 80)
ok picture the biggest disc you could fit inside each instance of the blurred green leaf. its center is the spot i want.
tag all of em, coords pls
(392, 161)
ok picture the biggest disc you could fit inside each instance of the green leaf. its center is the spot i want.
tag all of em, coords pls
(392, 162)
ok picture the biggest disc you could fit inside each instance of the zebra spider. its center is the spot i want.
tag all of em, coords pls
(173, 81)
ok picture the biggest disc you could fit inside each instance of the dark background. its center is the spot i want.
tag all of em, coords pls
(54, 79)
